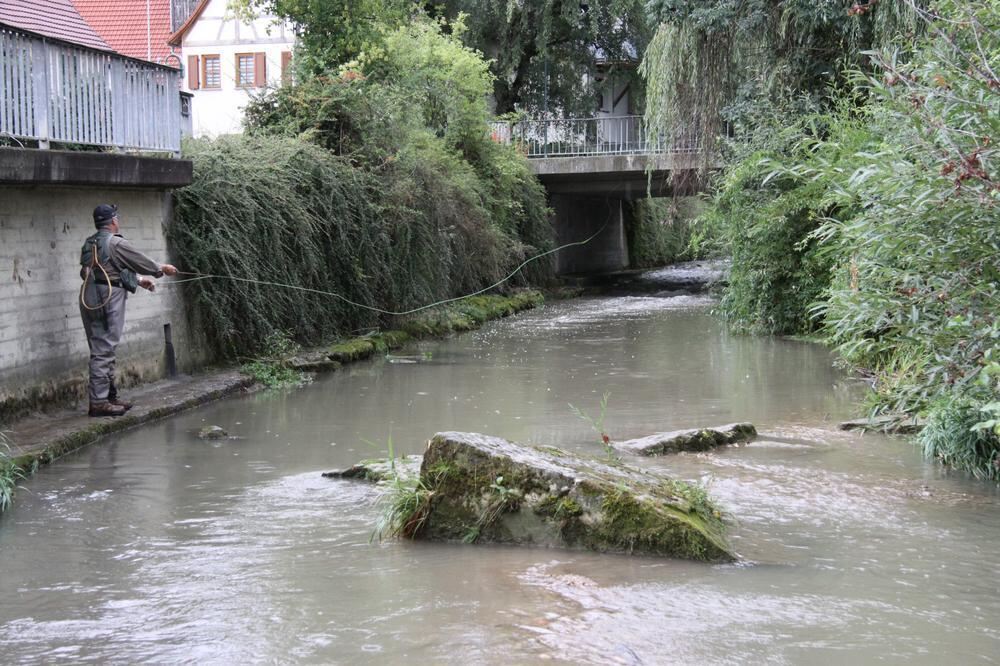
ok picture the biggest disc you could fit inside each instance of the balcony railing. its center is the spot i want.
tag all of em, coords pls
(568, 137)
(53, 91)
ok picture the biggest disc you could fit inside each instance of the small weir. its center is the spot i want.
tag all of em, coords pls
(158, 546)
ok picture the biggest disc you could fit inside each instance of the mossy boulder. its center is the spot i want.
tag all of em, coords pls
(486, 489)
(354, 349)
(688, 440)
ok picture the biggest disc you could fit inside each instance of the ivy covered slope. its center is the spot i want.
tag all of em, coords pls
(375, 181)
(864, 209)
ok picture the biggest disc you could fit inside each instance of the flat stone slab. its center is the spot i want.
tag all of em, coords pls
(405, 468)
(892, 423)
(695, 439)
(475, 488)
(313, 361)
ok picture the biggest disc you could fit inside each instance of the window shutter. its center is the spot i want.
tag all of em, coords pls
(259, 70)
(286, 66)
(194, 73)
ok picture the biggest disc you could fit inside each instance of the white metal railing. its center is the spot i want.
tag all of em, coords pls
(53, 91)
(566, 137)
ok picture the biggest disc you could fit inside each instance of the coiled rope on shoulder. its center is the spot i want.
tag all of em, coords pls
(91, 276)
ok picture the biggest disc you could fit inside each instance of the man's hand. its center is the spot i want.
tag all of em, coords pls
(168, 269)
(147, 284)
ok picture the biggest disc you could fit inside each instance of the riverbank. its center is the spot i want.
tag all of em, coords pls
(42, 438)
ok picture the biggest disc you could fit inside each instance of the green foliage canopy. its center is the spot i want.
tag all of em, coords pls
(377, 183)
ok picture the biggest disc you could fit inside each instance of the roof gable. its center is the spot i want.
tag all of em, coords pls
(126, 27)
(175, 39)
(58, 19)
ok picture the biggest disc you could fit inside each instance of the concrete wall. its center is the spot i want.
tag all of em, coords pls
(43, 350)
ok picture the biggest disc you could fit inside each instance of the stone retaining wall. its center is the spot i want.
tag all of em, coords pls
(43, 222)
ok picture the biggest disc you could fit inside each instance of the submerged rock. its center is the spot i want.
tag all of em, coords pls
(212, 432)
(687, 440)
(476, 488)
(405, 468)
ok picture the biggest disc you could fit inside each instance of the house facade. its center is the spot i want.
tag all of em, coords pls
(226, 60)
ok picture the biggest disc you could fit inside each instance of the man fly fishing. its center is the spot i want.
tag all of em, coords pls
(110, 268)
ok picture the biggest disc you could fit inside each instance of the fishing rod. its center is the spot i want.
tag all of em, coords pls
(196, 276)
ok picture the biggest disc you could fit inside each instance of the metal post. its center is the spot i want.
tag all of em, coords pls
(545, 107)
(168, 350)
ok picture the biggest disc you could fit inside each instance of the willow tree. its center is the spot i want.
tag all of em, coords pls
(545, 53)
(716, 61)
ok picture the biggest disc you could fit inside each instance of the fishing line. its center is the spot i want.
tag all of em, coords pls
(207, 276)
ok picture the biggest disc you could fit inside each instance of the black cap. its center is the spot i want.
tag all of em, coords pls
(103, 214)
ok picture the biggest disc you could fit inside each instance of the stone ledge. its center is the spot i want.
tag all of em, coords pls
(41, 439)
(21, 166)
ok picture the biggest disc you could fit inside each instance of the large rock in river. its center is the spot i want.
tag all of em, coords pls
(487, 489)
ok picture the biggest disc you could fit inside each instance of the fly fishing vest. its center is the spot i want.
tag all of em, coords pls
(96, 253)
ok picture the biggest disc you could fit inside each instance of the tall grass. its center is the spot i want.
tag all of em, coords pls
(950, 435)
(10, 474)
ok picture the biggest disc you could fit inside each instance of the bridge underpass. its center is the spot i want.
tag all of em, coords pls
(593, 169)
(594, 194)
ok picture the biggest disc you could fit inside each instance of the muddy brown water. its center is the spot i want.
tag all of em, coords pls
(157, 547)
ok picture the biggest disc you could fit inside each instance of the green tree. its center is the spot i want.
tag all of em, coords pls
(544, 53)
(332, 32)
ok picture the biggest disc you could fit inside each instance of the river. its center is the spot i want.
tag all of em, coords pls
(158, 547)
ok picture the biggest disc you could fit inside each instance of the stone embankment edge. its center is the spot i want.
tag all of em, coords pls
(68, 443)
(457, 319)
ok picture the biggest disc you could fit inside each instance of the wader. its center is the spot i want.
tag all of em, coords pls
(103, 324)
(104, 332)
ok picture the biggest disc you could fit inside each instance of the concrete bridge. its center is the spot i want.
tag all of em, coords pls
(592, 169)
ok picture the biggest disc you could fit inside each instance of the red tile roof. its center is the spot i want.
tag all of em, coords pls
(123, 25)
(58, 19)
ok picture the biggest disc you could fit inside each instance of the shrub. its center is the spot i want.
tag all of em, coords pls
(379, 185)
(663, 231)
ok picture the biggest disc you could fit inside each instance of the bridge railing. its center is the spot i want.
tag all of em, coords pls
(570, 137)
(53, 91)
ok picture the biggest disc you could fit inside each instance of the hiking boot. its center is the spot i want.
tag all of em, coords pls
(118, 402)
(106, 409)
